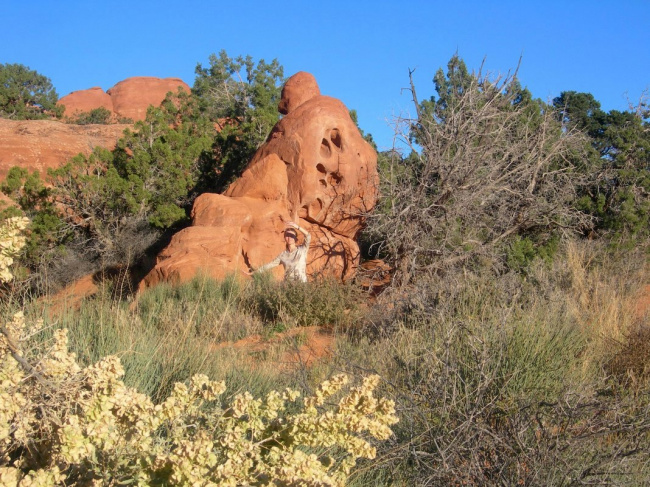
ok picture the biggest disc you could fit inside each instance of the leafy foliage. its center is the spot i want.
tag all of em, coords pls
(26, 95)
(619, 163)
(99, 115)
(242, 97)
(12, 241)
(524, 251)
(64, 423)
(166, 161)
(36, 201)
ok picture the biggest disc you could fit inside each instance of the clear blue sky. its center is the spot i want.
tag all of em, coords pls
(359, 51)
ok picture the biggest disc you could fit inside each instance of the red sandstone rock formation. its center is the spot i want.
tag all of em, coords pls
(84, 101)
(132, 97)
(42, 144)
(127, 99)
(314, 168)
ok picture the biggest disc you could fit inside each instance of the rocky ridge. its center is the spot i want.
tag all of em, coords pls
(38, 145)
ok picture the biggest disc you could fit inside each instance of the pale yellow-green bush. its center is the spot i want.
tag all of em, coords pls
(61, 423)
(11, 241)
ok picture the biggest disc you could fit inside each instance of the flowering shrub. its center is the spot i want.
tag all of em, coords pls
(64, 424)
(11, 241)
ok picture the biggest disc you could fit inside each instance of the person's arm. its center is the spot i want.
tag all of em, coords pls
(274, 263)
(303, 231)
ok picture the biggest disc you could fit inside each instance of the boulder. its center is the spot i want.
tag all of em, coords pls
(132, 97)
(297, 90)
(84, 101)
(315, 168)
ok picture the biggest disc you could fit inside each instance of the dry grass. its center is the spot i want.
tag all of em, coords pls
(171, 332)
(510, 381)
(604, 294)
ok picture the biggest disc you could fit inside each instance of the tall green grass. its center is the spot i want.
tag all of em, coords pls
(170, 333)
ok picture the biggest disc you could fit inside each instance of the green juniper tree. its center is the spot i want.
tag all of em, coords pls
(618, 164)
(26, 95)
(242, 98)
(35, 201)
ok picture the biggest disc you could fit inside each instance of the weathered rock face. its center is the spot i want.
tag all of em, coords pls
(42, 144)
(314, 168)
(127, 99)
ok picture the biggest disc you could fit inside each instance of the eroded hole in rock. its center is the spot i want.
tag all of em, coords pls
(335, 137)
(323, 183)
(325, 149)
(320, 168)
(335, 178)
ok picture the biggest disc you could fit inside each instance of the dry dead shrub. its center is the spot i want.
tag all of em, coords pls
(488, 163)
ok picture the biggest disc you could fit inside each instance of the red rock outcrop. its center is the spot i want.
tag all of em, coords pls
(132, 97)
(83, 101)
(42, 144)
(314, 168)
(127, 99)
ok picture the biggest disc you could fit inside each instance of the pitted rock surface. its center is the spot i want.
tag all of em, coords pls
(129, 98)
(315, 168)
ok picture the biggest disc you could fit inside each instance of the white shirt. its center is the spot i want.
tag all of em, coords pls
(294, 262)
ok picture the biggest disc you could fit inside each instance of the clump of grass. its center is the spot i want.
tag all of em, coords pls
(207, 307)
(324, 302)
(168, 337)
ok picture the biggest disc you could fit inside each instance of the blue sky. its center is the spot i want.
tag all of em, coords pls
(359, 52)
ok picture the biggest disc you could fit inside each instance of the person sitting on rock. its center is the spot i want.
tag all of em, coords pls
(294, 258)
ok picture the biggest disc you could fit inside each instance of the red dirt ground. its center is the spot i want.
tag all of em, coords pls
(302, 347)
